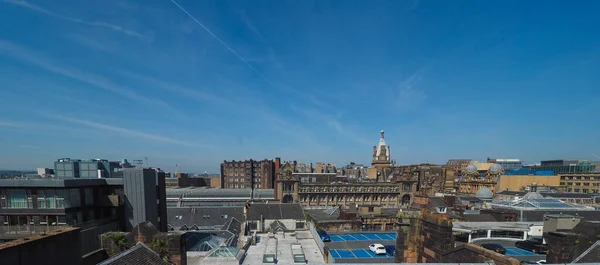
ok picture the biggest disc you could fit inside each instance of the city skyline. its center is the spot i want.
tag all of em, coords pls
(307, 81)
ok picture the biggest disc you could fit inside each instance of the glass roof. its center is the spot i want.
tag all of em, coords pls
(546, 203)
(223, 252)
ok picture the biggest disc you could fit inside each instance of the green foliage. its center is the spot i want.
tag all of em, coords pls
(576, 241)
(118, 238)
(160, 247)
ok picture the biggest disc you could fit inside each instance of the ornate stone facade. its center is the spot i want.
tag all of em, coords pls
(382, 194)
(472, 179)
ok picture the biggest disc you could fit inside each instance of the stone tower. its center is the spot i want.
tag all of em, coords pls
(381, 158)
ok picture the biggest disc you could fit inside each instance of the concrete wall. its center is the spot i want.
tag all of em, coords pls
(59, 247)
(90, 237)
(139, 186)
(317, 238)
(340, 226)
(516, 182)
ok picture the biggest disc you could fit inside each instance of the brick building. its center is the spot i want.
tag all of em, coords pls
(248, 174)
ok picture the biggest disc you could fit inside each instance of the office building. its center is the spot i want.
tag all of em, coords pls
(93, 168)
(507, 164)
(354, 171)
(526, 182)
(34, 206)
(248, 174)
(566, 166)
(45, 172)
(145, 192)
(580, 182)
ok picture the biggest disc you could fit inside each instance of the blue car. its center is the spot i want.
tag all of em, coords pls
(324, 236)
(390, 249)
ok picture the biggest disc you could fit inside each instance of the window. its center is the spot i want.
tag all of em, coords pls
(178, 217)
(224, 216)
(299, 224)
(41, 199)
(16, 198)
(206, 216)
(371, 209)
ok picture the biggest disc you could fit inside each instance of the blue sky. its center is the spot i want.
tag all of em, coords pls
(303, 80)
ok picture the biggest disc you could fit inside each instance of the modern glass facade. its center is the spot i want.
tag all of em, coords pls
(95, 168)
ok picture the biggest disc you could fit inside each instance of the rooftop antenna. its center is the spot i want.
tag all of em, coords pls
(147, 165)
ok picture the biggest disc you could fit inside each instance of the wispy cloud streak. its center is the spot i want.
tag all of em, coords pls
(9, 124)
(226, 45)
(129, 132)
(24, 55)
(409, 93)
(103, 24)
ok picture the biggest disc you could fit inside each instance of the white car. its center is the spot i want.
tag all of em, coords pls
(378, 249)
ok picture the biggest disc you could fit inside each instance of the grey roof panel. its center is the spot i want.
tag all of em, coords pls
(275, 211)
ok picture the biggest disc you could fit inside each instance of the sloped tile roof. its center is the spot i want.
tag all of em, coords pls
(139, 254)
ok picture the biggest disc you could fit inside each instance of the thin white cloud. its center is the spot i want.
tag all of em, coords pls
(103, 24)
(184, 91)
(9, 124)
(11, 50)
(247, 106)
(128, 132)
(251, 25)
(409, 92)
(333, 123)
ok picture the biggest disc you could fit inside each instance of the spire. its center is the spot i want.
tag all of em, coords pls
(381, 134)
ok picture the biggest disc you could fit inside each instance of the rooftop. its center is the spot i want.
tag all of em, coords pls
(477, 226)
(207, 192)
(138, 254)
(284, 250)
(203, 217)
(35, 237)
(539, 204)
(256, 211)
(59, 183)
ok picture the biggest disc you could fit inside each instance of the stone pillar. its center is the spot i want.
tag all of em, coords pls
(489, 233)
(435, 237)
(400, 242)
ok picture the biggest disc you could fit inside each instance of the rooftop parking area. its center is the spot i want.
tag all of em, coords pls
(354, 247)
(362, 237)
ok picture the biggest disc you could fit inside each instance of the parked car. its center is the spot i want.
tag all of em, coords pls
(535, 245)
(495, 247)
(324, 236)
(377, 249)
(528, 262)
(390, 249)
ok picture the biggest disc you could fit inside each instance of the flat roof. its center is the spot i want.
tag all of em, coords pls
(207, 192)
(507, 226)
(26, 240)
(59, 183)
(313, 255)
